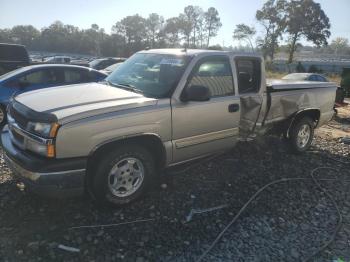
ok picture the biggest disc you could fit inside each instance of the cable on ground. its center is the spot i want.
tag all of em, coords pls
(283, 180)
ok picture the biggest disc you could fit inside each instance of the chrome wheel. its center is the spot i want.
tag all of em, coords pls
(2, 115)
(304, 135)
(126, 177)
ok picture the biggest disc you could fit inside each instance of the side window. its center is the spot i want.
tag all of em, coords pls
(249, 75)
(72, 76)
(46, 76)
(215, 74)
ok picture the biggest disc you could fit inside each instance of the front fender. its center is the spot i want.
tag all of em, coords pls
(80, 138)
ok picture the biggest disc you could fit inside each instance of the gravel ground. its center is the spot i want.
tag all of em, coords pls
(287, 222)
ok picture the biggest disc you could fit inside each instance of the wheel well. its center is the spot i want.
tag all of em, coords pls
(314, 114)
(150, 142)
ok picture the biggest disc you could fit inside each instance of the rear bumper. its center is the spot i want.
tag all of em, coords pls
(49, 177)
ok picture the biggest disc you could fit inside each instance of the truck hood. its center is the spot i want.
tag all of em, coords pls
(73, 102)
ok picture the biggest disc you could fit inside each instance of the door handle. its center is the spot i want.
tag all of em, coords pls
(233, 108)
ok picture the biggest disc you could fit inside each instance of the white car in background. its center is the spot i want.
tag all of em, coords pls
(305, 77)
(58, 60)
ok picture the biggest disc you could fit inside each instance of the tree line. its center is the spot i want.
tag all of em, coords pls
(193, 28)
(282, 21)
(290, 21)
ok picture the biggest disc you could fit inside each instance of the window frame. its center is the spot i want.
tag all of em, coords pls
(211, 58)
(257, 60)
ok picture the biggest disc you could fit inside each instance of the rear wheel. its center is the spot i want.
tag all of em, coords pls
(124, 175)
(301, 135)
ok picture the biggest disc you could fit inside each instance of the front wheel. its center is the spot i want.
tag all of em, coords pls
(2, 115)
(301, 135)
(123, 175)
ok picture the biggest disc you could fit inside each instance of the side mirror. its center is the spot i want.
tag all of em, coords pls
(196, 93)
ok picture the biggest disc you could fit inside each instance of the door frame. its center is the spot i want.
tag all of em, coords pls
(251, 118)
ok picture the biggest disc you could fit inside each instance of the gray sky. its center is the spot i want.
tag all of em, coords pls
(105, 13)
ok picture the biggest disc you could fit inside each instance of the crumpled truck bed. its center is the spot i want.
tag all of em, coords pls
(287, 98)
(282, 100)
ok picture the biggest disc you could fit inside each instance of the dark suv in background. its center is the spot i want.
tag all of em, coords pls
(12, 57)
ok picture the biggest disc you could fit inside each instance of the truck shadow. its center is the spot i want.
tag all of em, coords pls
(277, 225)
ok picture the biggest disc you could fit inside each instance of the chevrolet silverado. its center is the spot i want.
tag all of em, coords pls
(158, 109)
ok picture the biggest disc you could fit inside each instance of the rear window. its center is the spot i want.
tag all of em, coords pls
(13, 53)
(96, 76)
(321, 78)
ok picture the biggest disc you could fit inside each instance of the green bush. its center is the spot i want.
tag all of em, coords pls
(345, 83)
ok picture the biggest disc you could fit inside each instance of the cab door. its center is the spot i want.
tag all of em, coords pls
(200, 128)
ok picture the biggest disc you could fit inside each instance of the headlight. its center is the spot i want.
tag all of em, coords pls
(37, 147)
(45, 145)
(43, 129)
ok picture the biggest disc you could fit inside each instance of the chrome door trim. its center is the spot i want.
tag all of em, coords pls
(205, 138)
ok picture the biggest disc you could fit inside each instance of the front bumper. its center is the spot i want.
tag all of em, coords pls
(49, 177)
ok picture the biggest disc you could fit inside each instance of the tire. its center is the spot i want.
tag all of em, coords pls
(135, 169)
(301, 135)
(2, 115)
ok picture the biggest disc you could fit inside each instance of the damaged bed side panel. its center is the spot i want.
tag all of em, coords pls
(283, 100)
(286, 103)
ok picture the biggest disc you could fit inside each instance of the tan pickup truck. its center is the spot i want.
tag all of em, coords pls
(158, 109)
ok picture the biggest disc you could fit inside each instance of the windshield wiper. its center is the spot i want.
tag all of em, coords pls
(126, 87)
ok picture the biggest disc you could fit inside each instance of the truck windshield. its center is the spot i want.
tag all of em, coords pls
(154, 75)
